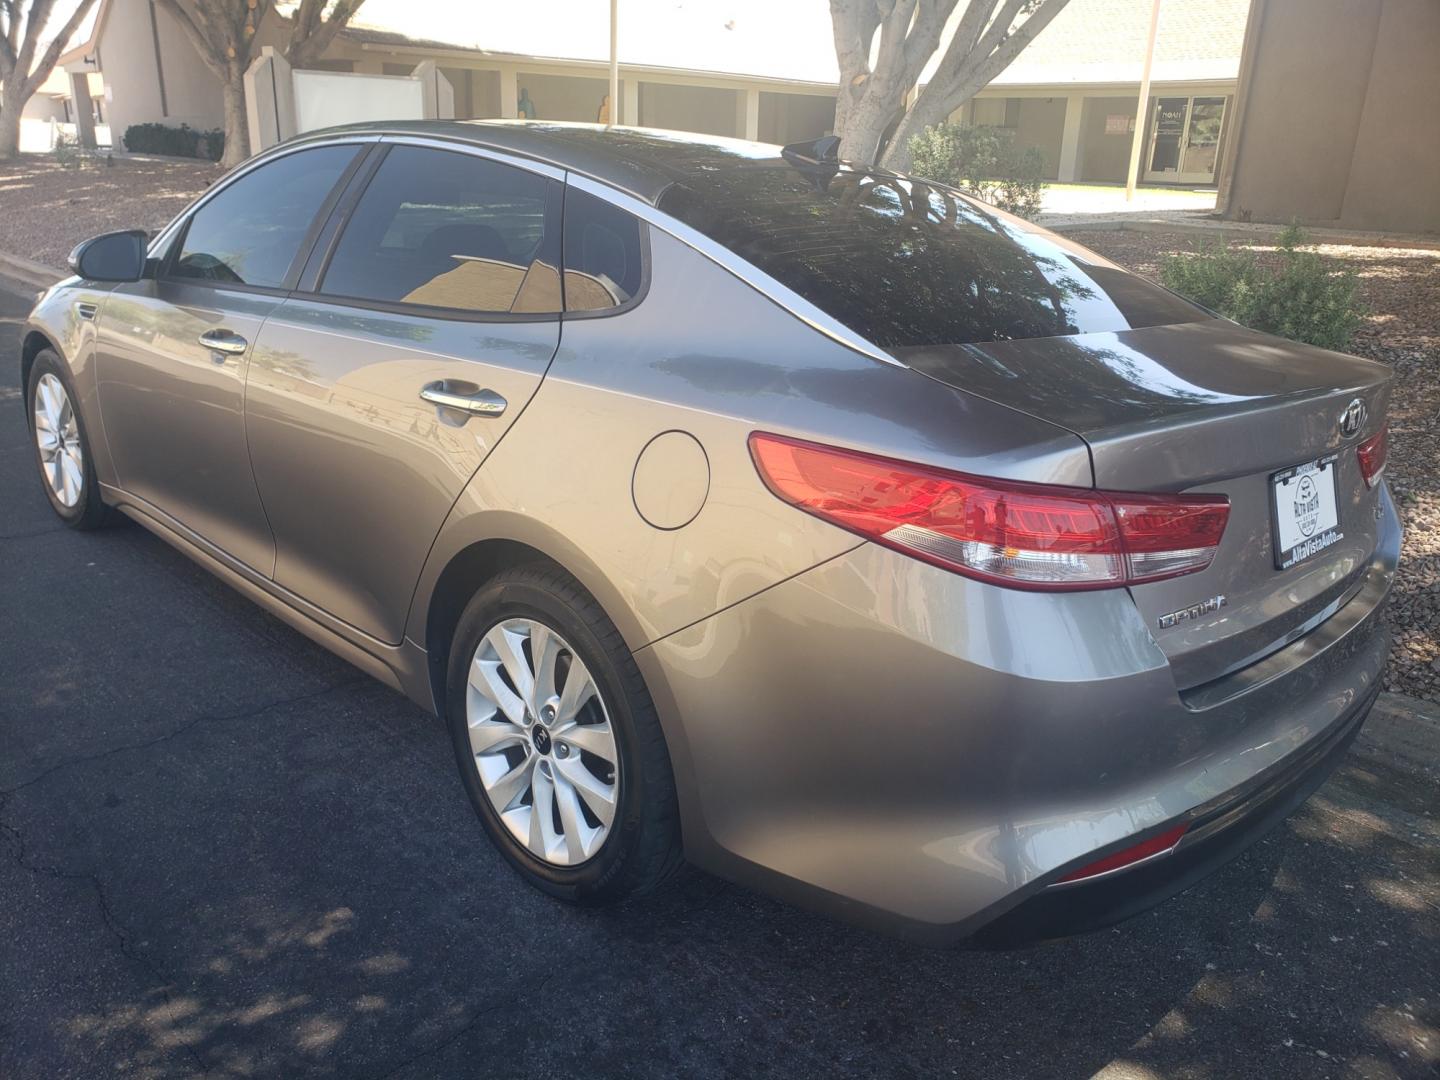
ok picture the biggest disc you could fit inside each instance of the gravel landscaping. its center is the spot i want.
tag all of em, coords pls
(46, 208)
(1401, 286)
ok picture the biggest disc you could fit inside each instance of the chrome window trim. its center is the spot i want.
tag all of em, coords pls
(781, 295)
(162, 240)
(500, 157)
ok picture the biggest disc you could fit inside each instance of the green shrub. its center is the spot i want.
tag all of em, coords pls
(66, 151)
(983, 162)
(1305, 298)
(182, 141)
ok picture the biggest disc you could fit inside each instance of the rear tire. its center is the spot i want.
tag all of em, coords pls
(62, 444)
(509, 763)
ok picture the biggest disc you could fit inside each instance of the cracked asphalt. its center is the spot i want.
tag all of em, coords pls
(224, 852)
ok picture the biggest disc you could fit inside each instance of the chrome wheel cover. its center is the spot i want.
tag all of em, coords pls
(541, 741)
(57, 434)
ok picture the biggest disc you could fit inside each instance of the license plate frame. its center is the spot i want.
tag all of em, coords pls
(1305, 517)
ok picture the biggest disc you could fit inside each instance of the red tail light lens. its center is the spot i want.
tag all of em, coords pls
(1372, 453)
(1146, 849)
(1028, 536)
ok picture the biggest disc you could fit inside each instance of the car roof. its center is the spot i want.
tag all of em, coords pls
(642, 162)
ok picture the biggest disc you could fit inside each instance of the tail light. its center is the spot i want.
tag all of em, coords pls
(1159, 844)
(1372, 453)
(1028, 536)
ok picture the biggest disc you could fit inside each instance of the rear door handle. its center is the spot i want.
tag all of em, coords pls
(224, 341)
(481, 402)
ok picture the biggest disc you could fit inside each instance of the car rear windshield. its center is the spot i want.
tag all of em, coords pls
(906, 263)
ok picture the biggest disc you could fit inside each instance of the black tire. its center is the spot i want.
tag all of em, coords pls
(643, 847)
(89, 511)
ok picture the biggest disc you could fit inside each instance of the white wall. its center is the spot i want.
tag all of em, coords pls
(132, 83)
(325, 98)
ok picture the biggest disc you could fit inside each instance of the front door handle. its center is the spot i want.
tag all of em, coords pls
(480, 402)
(224, 341)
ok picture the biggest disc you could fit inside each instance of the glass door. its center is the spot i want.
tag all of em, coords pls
(1185, 139)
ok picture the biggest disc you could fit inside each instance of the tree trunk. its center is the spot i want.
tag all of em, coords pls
(237, 124)
(9, 133)
(922, 114)
(12, 103)
(861, 141)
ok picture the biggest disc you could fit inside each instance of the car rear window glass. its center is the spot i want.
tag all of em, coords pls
(250, 232)
(448, 230)
(604, 254)
(906, 263)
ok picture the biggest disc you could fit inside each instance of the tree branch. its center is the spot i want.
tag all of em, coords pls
(42, 70)
(311, 35)
(35, 20)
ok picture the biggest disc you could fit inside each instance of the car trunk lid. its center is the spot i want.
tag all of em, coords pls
(1207, 406)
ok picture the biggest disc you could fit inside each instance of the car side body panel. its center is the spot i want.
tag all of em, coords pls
(357, 473)
(568, 467)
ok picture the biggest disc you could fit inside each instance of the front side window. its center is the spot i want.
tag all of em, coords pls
(449, 230)
(906, 263)
(250, 233)
(604, 254)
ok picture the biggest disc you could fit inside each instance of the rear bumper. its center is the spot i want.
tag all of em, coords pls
(1216, 834)
(922, 754)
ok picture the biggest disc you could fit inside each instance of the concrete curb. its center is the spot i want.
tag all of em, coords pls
(29, 271)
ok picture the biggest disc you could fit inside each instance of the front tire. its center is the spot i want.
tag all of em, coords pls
(62, 445)
(557, 740)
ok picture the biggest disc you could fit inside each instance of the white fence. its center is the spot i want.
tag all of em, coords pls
(281, 102)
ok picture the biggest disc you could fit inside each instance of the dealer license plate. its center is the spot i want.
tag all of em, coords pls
(1305, 510)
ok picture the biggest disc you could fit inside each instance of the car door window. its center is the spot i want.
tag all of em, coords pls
(604, 254)
(251, 232)
(450, 230)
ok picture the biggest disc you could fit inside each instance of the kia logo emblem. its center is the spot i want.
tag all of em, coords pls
(1353, 418)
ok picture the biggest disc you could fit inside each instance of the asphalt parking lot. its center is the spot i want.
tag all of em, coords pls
(225, 852)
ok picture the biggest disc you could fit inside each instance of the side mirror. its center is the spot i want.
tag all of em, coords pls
(116, 256)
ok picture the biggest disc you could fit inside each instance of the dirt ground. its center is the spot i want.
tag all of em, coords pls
(46, 209)
(1402, 289)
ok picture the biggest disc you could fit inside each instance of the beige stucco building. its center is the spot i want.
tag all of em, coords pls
(757, 69)
(1339, 115)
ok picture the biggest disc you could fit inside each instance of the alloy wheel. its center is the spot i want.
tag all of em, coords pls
(57, 434)
(542, 743)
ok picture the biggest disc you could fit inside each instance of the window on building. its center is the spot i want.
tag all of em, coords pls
(604, 254)
(251, 232)
(450, 230)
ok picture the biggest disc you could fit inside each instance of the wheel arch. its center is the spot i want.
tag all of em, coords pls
(31, 346)
(466, 557)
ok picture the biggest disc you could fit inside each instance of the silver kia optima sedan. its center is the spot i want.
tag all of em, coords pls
(841, 534)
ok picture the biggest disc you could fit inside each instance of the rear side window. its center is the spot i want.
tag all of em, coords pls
(450, 230)
(604, 254)
(905, 263)
(250, 232)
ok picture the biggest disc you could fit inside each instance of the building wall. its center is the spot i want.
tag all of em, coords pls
(1340, 124)
(564, 97)
(1040, 122)
(706, 109)
(787, 118)
(133, 82)
(1104, 158)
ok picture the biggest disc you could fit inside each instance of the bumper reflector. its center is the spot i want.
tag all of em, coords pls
(1159, 844)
